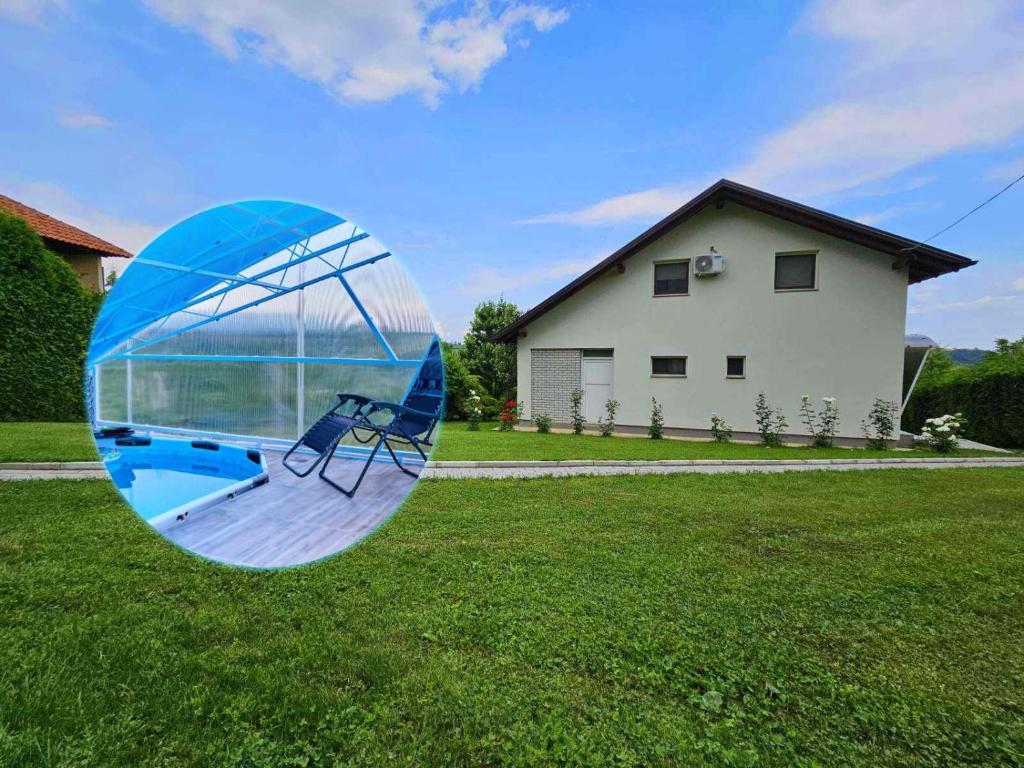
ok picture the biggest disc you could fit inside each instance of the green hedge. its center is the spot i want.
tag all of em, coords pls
(46, 318)
(990, 394)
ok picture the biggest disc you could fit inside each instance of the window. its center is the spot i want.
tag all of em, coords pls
(672, 278)
(795, 271)
(668, 366)
(735, 367)
(598, 353)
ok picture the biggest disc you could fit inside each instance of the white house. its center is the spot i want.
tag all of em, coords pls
(795, 301)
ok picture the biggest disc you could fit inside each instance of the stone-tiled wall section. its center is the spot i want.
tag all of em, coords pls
(554, 374)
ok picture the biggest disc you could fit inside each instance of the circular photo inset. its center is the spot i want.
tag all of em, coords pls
(264, 383)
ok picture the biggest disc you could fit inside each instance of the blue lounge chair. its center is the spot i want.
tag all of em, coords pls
(327, 431)
(410, 423)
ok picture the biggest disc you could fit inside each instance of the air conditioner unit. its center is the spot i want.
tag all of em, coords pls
(707, 264)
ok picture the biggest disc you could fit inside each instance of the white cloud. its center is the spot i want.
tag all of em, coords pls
(28, 11)
(366, 52)
(1008, 171)
(982, 302)
(920, 83)
(82, 119)
(492, 282)
(56, 201)
(973, 307)
(895, 211)
(650, 203)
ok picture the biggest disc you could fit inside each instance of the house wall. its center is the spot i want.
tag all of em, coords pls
(554, 374)
(88, 268)
(845, 339)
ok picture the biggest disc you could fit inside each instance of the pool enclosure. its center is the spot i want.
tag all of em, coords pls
(244, 321)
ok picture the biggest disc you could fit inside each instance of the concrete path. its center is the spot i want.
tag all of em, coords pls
(499, 469)
(53, 470)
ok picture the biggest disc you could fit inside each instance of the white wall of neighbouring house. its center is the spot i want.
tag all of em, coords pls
(844, 339)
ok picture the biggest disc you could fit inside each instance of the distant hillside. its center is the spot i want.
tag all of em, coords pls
(967, 356)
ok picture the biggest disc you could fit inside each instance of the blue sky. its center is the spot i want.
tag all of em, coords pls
(503, 148)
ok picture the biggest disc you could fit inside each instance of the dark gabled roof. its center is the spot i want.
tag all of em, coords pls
(57, 231)
(925, 261)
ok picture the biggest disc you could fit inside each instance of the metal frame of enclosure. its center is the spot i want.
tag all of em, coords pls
(243, 321)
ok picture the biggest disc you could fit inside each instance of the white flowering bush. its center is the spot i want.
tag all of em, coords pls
(473, 413)
(821, 426)
(721, 430)
(943, 432)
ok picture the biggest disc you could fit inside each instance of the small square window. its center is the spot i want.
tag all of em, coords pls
(668, 366)
(672, 278)
(735, 367)
(795, 271)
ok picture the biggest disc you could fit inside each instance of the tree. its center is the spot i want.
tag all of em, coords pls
(1007, 347)
(936, 367)
(45, 321)
(494, 364)
(460, 385)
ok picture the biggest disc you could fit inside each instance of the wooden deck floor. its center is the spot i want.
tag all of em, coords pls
(292, 520)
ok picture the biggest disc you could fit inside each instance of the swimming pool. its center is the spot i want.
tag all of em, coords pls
(166, 478)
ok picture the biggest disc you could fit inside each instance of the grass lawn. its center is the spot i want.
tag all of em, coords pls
(459, 444)
(73, 442)
(799, 619)
(46, 441)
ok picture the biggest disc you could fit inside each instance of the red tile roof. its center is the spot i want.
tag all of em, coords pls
(50, 228)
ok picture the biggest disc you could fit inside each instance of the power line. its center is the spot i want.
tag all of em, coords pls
(973, 210)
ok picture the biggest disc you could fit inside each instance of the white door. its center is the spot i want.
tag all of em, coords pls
(597, 387)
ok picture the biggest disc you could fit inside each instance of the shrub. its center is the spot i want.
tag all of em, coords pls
(943, 433)
(821, 426)
(474, 414)
(880, 425)
(458, 383)
(607, 424)
(511, 412)
(656, 429)
(576, 411)
(493, 364)
(46, 318)
(721, 431)
(770, 421)
(543, 423)
(990, 394)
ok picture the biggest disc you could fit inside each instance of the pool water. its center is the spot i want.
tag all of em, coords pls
(165, 478)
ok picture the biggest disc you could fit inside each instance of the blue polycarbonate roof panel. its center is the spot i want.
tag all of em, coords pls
(194, 256)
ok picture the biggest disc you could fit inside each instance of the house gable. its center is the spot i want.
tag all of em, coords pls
(842, 338)
(920, 261)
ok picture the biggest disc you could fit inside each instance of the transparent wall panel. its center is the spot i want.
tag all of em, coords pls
(394, 303)
(334, 326)
(378, 382)
(259, 399)
(112, 403)
(268, 329)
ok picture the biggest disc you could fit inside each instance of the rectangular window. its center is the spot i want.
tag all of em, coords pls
(735, 367)
(672, 278)
(795, 271)
(668, 366)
